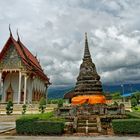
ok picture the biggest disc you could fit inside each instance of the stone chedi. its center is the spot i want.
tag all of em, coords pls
(88, 86)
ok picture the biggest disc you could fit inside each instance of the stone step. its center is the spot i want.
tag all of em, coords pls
(88, 124)
(87, 129)
(84, 121)
(87, 118)
(81, 121)
(92, 129)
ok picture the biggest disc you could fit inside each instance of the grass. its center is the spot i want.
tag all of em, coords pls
(45, 116)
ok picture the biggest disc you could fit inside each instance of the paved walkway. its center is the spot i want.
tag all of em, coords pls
(66, 138)
(4, 126)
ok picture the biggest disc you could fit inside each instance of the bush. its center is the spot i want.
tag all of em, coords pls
(56, 101)
(24, 108)
(133, 115)
(135, 108)
(36, 127)
(133, 102)
(60, 102)
(42, 105)
(40, 124)
(9, 108)
(126, 126)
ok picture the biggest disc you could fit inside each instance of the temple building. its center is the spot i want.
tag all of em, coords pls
(88, 86)
(22, 79)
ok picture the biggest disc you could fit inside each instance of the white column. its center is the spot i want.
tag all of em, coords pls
(19, 87)
(46, 92)
(25, 88)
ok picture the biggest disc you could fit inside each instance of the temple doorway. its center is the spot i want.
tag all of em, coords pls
(9, 94)
(22, 97)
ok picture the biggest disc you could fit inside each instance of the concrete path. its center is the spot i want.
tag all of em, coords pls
(66, 138)
(4, 126)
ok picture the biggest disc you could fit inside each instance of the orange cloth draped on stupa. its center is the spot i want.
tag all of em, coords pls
(91, 99)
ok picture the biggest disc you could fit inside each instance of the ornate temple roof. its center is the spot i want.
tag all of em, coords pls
(28, 59)
(88, 81)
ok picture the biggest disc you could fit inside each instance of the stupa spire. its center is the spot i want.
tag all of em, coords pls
(86, 51)
(88, 80)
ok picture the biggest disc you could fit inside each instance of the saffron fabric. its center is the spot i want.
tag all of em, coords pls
(91, 99)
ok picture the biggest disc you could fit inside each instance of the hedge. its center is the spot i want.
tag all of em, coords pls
(126, 126)
(133, 115)
(39, 125)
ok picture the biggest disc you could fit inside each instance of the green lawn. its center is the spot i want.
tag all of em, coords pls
(45, 116)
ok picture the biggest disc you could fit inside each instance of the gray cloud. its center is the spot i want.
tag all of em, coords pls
(55, 29)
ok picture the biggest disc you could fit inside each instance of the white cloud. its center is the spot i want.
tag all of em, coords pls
(55, 29)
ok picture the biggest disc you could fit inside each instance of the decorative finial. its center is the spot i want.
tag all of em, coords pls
(18, 35)
(10, 30)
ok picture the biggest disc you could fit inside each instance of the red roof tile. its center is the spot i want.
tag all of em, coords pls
(27, 57)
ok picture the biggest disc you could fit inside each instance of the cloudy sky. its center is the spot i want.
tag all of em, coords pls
(54, 29)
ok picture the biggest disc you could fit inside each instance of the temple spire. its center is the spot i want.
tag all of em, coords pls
(88, 80)
(86, 52)
(10, 30)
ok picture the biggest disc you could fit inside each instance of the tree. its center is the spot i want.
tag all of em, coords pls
(137, 96)
(133, 102)
(9, 107)
(116, 95)
(42, 105)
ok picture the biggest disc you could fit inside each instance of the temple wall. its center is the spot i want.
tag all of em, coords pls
(39, 85)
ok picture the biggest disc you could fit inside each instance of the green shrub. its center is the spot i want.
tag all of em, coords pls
(133, 115)
(9, 108)
(56, 101)
(133, 102)
(38, 127)
(42, 105)
(40, 124)
(135, 108)
(126, 126)
(60, 102)
(24, 108)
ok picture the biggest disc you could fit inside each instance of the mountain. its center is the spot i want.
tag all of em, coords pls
(59, 91)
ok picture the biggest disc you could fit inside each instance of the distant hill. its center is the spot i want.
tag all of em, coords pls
(59, 91)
